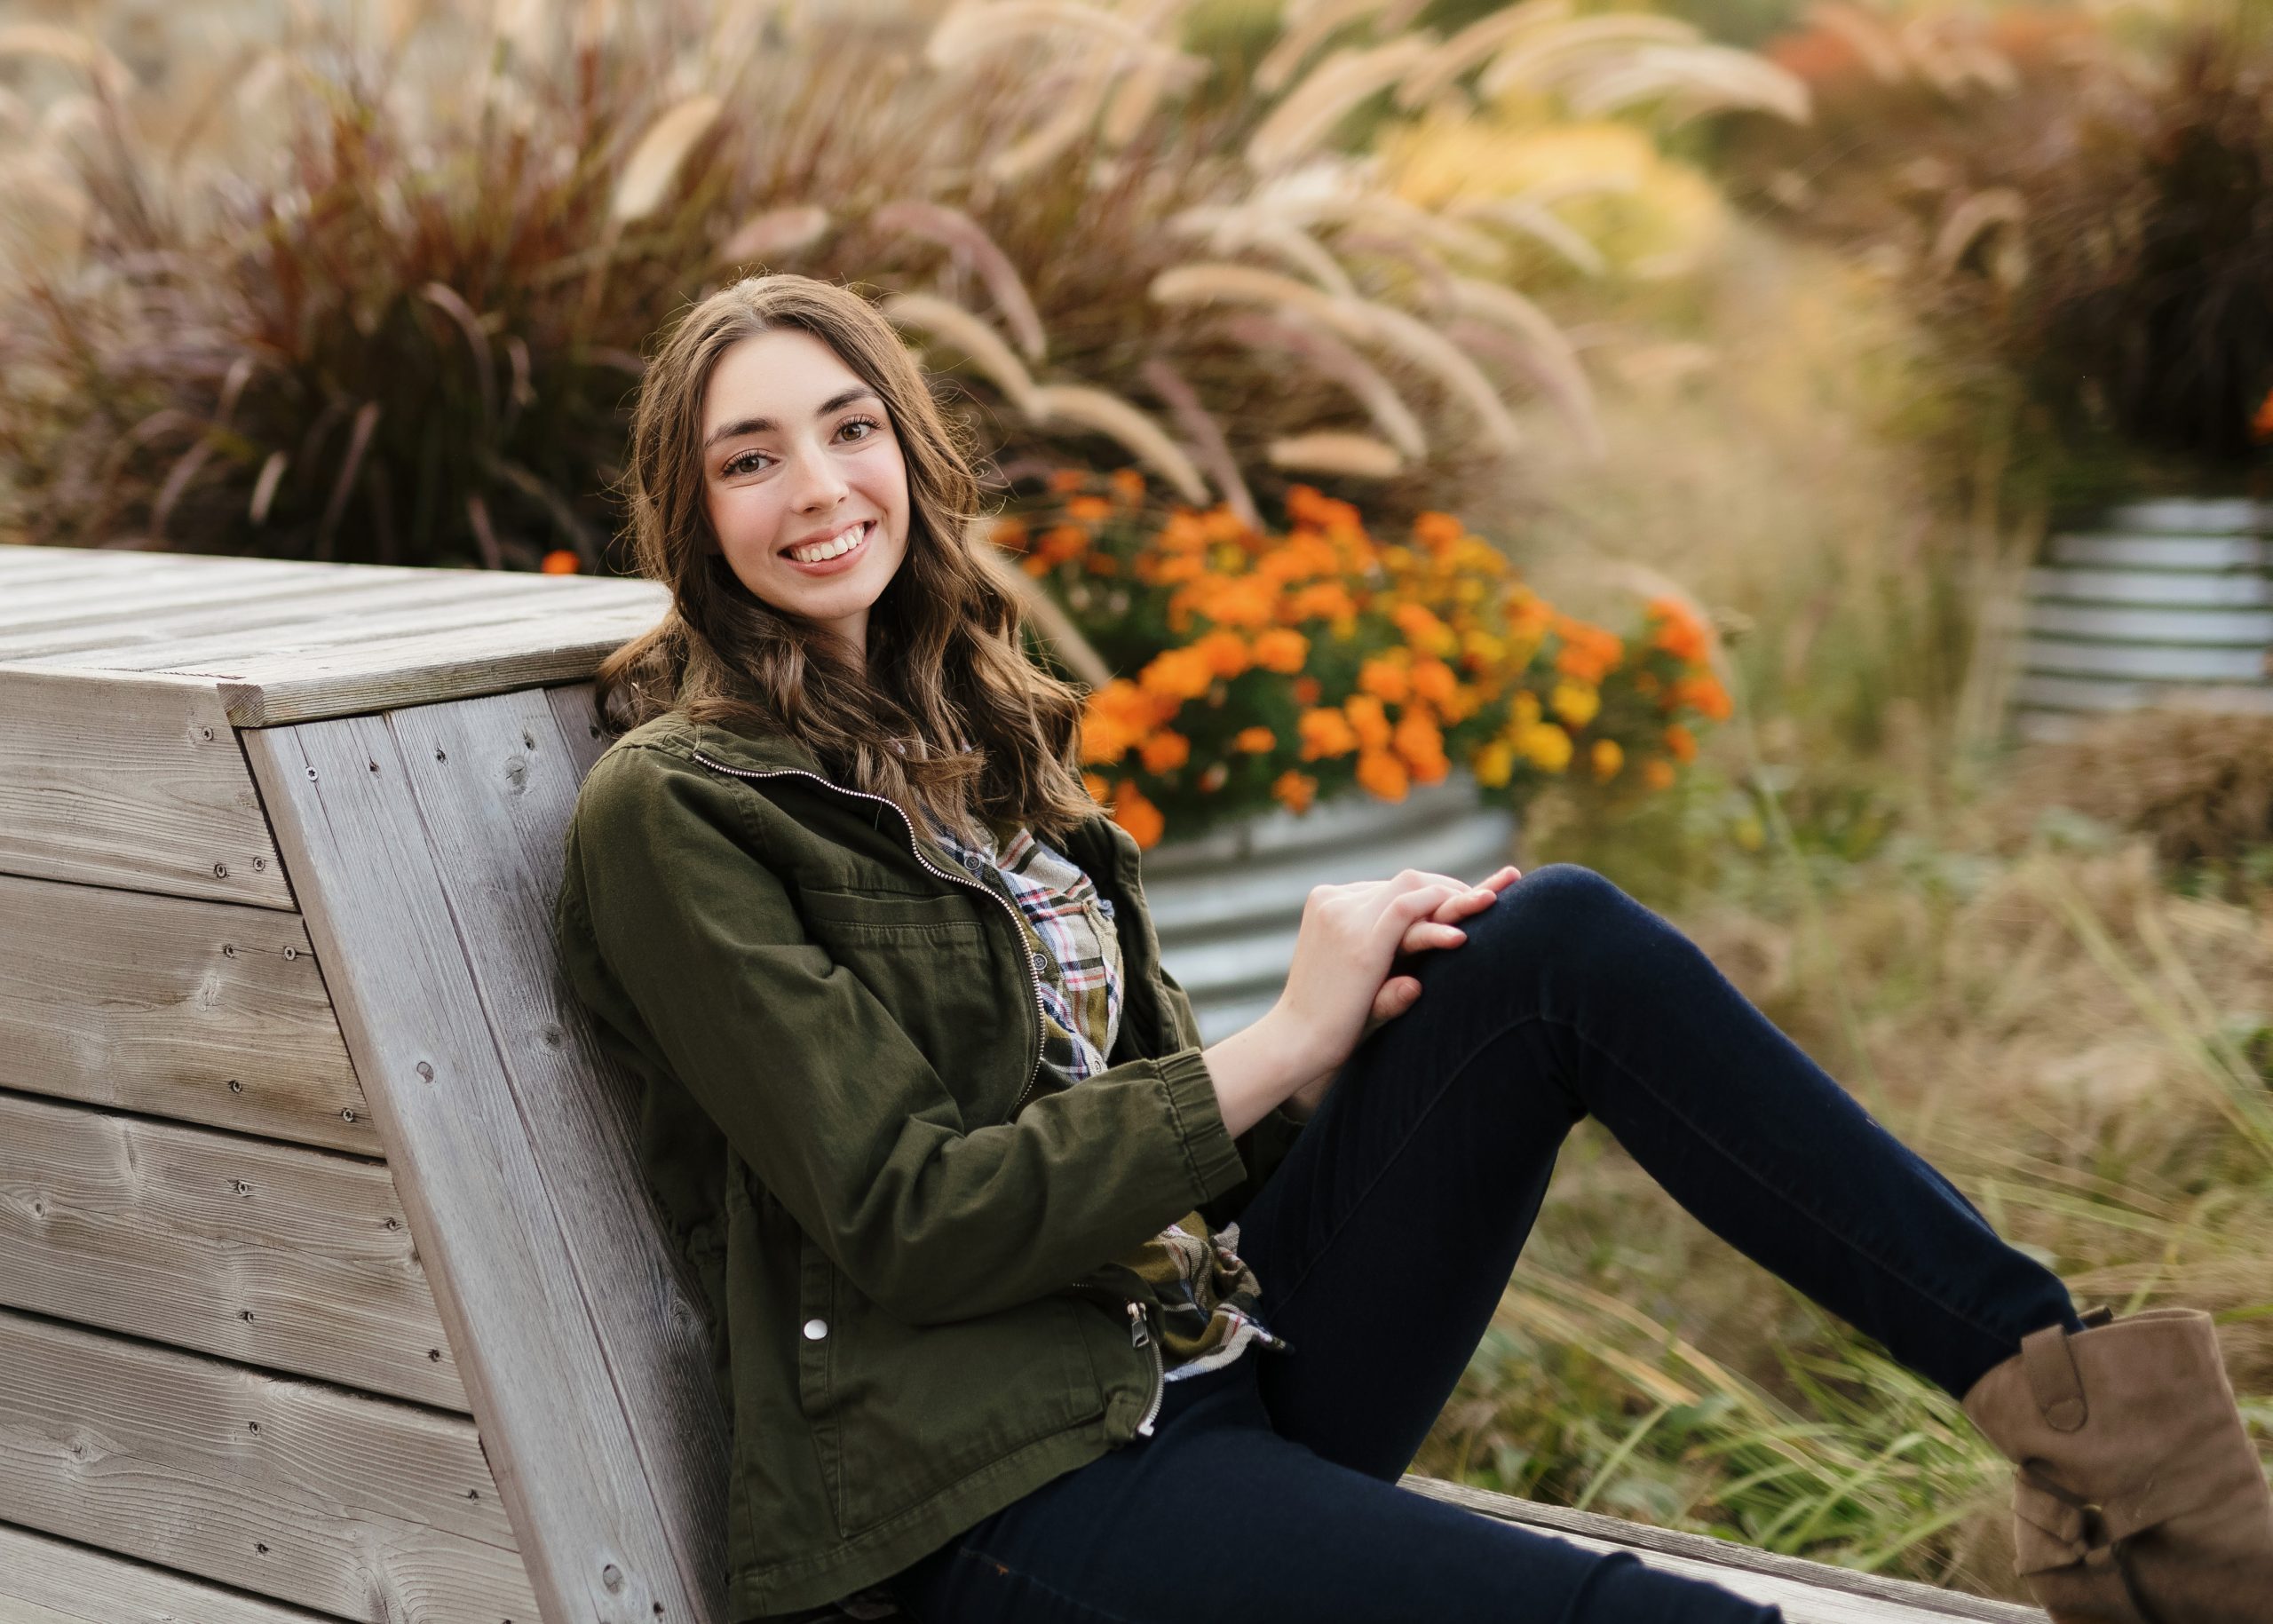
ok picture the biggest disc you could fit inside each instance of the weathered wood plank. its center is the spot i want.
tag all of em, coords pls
(573, 713)
(1809, 1592)
(495, 784)
(355, 1506)
(135, 782)
(50, 1581)
(502, 1271)
(547, 645)
(209, 1012)
(97, 637)
(467, 599)
(266, 1254)
(125, 594)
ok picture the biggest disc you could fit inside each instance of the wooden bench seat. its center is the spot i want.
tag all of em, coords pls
(328, 1287)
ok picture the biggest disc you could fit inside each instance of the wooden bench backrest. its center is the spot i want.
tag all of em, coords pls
(425, 847)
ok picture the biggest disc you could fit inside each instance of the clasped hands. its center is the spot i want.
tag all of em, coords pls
(1339, 988)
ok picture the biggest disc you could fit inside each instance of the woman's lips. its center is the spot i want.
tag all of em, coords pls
(842, 561)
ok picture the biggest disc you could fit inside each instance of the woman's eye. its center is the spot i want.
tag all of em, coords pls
(745, 463)
(860, 423)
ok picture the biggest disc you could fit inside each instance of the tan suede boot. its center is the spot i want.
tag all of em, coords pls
(2139, 1498)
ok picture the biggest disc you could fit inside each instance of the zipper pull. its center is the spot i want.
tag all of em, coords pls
(1138, 1336)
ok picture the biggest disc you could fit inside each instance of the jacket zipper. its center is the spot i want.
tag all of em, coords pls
(1140, 1336)
(1016, 926)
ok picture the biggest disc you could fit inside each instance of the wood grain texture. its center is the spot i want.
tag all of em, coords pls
(551, 647)
(354, 1505)
(271, 1255)
(135, 782)
(50, 1582)
(95, 635)
(579, 723)
(208, 1012)
(496, 785)
(1809, 1592)
(502, 1273)
(356, 616)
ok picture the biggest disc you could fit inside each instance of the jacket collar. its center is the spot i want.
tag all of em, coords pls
(1096, 839)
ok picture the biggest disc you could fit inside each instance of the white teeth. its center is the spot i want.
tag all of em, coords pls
(843, 543)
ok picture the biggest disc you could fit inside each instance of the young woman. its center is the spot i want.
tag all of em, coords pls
(1029, 1306)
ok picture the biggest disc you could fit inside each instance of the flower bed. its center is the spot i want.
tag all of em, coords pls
(1263, 668)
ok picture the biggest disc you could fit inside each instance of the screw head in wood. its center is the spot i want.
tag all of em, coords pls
(425, 1071)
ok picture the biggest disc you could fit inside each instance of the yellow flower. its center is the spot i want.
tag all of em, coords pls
(1494, 764)
(1576, 703)
(1607, 759)
(1548, 746)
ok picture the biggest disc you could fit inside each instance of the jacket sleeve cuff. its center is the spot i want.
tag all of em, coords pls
(1210, 1155)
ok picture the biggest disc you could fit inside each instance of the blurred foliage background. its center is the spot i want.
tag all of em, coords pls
(1821, 315)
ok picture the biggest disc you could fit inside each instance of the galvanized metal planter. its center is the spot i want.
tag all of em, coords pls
(2164, 602)
(1228, 904)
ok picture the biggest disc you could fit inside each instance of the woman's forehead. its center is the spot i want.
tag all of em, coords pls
(785, 377)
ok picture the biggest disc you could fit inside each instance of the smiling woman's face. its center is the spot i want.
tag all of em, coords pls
(803, 477)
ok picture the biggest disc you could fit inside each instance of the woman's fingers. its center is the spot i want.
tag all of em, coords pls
(1424, 934)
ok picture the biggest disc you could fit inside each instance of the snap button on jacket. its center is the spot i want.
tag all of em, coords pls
(901, 1223)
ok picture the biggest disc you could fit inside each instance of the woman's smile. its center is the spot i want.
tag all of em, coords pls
(832, 553)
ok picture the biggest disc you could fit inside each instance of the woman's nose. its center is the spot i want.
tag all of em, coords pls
(815, 479)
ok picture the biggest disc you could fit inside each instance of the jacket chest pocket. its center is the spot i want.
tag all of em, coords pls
(937, 969)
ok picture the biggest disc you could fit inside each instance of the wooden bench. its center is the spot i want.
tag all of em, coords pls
(329, 1288)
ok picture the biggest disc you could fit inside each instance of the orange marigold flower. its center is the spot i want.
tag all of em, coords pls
(1034, 563)
(1381, 773)
(1679, 632)
(1434, 681)
(1184, 673)
(1226, 651)
(1097, 787)
(1704, 694)
(1607, 759)
(1283, 649)
(561, 561)
(1060, 542)
(1128, 484)
(1423, 630)
(1326, 732)
(1089, 508)
(1420, 746)
(1320, 600)
(1658, 773)
(1294, 790)
(1368, 719)
(1008, 533)
(1064, 480)
(1438, 531)
(1386, 678)
(1142, 819)
(1164, 752)
(1256, 740)
(1306, 689)
(1681, 743)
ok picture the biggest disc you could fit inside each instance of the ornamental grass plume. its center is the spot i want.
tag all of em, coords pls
(1254, 668)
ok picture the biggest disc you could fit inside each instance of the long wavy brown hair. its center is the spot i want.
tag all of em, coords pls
(949, 716)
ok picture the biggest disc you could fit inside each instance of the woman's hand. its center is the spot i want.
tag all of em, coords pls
(1339, 987)
(1318, 1000)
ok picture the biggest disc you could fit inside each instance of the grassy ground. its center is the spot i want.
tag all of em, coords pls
(1992, 952)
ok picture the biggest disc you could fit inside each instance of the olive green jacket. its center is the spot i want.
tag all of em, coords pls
(901, 1220)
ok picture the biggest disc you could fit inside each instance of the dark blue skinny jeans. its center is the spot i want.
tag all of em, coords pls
(1384, 1243)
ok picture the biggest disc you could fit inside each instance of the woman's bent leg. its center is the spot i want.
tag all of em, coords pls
(1216, 1517)
(1385, 1239)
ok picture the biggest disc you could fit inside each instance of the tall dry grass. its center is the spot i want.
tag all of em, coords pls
(381, 293)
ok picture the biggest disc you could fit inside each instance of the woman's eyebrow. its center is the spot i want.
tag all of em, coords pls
(759, 426)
